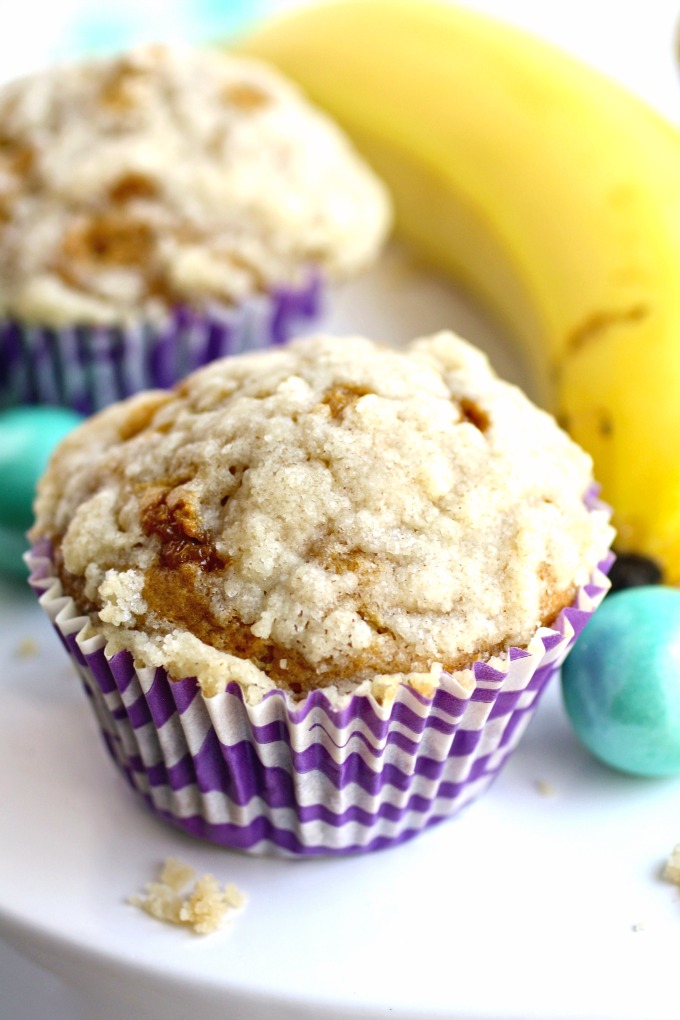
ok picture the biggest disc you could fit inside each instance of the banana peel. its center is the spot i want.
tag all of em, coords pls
(547, 190)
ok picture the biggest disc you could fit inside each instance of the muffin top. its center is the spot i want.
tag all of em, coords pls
(163, 177)
(331, 514)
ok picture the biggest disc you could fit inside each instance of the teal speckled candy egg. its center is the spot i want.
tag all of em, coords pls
(621, 682)
(28, 436)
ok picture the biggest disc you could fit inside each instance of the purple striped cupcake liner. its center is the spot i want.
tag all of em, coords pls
(310, 778)
(88, 367)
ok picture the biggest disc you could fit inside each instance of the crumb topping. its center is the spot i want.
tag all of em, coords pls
(162, 176)
(323, 515)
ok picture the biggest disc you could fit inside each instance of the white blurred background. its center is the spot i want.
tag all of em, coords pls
(633, 40)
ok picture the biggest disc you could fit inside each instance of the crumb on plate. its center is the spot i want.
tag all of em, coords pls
(203, 906)
(26, 649)
(545, 788)
(671, 871)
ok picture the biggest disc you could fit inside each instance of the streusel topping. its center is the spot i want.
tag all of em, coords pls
(327, 514)
(132, 183)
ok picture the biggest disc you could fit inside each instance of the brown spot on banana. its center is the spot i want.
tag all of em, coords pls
(604, 425)
(590, 329)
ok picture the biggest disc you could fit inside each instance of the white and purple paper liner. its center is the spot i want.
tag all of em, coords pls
(310, 779)
(88, 367)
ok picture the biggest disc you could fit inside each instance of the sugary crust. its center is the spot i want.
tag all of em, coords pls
(330, 514)
(133, 183)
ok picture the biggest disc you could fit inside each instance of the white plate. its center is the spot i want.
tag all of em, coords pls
(542, 900)
(526, 905)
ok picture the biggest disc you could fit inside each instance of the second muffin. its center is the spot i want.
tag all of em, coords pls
(162, 208)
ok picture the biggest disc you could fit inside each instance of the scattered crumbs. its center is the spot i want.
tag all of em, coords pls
(671, 871)
(26, 649)
(179, 897)
(545, 788)
(639, 926)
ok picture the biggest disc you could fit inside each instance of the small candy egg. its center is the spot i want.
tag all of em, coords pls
(621, 682)
(28, 435)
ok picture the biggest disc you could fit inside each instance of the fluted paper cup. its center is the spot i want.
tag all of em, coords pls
(310, 778)
(88, 367)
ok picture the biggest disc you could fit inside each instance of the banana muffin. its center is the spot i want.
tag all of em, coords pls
(334, 518)
(163, 191)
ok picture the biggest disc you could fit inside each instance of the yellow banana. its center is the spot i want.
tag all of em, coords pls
(549, 191)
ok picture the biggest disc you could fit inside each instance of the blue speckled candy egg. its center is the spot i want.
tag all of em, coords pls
(621, 682)
(28, 435)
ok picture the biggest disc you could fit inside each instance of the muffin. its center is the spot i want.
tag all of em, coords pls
(315, 592)
(162, 208)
